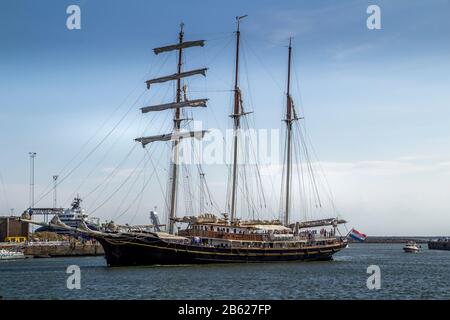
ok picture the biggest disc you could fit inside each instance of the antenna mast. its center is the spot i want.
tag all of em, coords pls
(32, 156)
(55, 184)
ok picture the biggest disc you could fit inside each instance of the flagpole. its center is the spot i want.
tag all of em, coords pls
(348, 234)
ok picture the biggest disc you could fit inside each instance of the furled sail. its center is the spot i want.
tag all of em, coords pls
(173, 105)
(183, 45)
(322, 222)
(56, 222)
(171, 136)
(176, 76)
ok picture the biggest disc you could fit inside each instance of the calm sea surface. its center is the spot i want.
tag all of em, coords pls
(403, 276)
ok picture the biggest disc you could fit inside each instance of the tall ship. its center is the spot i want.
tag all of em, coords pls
(206, 237)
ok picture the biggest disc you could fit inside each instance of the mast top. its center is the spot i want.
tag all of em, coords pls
(181, 27)
(238, 20)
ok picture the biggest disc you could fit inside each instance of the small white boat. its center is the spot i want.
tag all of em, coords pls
(10, 255)
(411, 247)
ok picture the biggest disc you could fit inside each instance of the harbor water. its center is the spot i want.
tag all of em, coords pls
(403, 276)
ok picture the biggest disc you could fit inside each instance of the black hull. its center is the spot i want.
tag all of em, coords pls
(154, 251)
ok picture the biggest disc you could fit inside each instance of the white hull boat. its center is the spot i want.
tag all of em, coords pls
(10, 255)
(411, 247)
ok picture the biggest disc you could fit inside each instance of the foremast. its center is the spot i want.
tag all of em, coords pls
(175, 143)
(176, 135)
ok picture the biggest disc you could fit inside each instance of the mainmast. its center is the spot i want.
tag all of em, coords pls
(289, 119)
(176, 135)
(237, 113)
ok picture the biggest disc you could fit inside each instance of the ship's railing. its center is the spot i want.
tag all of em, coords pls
(313, 234)
(222, 235)
(257, 237)
(48, 243)
(244, 244)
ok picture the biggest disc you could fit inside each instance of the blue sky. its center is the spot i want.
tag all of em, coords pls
(376, 102)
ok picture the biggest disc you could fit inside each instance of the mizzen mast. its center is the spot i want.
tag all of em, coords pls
(237, 113)
(176, 135)
(290, 117)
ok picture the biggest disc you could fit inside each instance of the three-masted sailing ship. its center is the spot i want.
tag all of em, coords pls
(208, 238)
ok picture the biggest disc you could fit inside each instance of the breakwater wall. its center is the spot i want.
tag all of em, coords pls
(394, 239)
(57, 249)
(65, 250)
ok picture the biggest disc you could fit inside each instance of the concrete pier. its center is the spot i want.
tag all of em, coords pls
(63, 250)
(57, 249)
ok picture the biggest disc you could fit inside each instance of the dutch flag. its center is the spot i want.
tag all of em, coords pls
(358, 236)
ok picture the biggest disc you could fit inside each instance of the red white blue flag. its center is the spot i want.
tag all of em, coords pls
(358, 236)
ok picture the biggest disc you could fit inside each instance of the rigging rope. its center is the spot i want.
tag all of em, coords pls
(91, 152)
(116, 169)
(95, 168)
(140, 193)
(50, 186)
(117, 189)
(131, 189)
(166, 202)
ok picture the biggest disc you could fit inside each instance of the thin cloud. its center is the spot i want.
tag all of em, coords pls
(285, 23)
